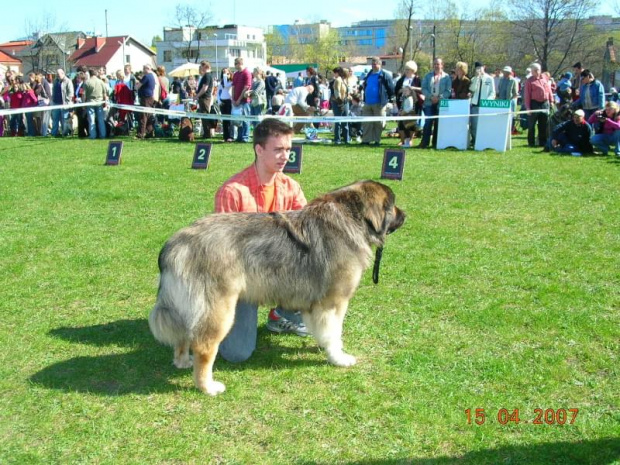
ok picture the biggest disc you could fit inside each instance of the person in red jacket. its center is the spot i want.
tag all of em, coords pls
(16, 95)
(123, 95)
(29, 100)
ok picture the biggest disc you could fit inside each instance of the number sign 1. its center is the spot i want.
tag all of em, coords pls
(393, 164)
(293, 165)
(115, 148)
(201, 156)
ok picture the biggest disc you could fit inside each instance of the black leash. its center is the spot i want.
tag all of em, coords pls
(375, 270)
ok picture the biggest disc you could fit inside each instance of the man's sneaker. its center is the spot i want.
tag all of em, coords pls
(279, 324)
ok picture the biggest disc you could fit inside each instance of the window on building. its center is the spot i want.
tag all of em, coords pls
(234, 52)
(189, 55)
(167, 56)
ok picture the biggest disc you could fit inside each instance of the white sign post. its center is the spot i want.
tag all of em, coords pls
(453, 131)
(494, 131)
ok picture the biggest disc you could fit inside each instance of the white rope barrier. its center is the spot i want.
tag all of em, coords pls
(177, 114)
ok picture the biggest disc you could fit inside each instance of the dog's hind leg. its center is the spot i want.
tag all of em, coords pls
(205, 346)
(181, 355)
(326, 327)
(204, 356)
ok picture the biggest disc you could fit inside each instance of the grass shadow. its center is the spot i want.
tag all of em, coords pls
(597, 452)
(147, 368)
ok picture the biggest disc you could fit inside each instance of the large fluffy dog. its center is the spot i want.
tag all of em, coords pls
(311, 260)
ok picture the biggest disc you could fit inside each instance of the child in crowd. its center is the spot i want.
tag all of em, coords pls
(356, 110)
(406, 129)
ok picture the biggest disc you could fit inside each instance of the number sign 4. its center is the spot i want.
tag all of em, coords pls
(393, 164)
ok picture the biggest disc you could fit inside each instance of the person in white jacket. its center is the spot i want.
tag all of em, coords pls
(482, 87)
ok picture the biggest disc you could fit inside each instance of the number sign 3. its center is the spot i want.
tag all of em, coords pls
(294, 160)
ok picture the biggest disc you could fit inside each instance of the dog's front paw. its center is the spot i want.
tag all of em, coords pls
(214, 388)
(342, 360)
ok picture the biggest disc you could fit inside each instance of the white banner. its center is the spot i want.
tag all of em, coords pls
(454, 130)
(494, 125)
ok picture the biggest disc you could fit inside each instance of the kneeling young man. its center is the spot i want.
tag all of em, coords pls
(261, 188)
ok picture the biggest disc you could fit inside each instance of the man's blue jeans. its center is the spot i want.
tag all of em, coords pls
(430, 125)
(602, 142)
(243, 132)
(96, 122)
(58, 119)
(240, 342)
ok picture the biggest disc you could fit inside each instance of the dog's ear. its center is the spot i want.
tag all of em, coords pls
(377, 199)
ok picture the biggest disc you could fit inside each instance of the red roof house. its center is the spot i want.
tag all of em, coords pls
(112, 53)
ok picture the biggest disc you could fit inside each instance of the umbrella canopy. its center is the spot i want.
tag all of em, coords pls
(185, 70)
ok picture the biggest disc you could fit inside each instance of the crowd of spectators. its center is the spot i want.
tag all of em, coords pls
(561, 114)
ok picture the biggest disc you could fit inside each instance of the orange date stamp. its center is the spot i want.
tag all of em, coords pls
(539, 416)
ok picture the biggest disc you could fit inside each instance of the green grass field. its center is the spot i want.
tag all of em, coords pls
(501, 291)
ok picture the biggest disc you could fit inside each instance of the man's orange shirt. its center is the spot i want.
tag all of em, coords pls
(244, 193)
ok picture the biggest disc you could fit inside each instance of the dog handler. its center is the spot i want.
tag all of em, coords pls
(262, 188)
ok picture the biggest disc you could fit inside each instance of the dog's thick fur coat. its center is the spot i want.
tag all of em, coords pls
(310, 260)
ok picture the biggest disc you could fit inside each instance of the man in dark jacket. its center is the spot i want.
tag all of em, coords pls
(573, 136)
(272, 84)
(146, 91)
(205, 98)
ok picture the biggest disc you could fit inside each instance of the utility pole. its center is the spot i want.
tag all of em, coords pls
(434, 36)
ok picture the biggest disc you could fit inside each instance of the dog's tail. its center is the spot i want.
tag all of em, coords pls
(167, 320)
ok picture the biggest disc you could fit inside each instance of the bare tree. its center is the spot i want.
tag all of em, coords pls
(404, 31)
(187, 16)
(551, 30)
(34, 29)
(479, 35)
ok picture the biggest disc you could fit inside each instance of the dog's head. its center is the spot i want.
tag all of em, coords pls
(381, 213)
(374, 204)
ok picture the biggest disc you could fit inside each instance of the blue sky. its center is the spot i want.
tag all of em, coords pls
(145, 19)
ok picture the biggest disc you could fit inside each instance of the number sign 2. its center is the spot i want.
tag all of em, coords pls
(294, 160)
(393, 164)
(201, 156)
(115, 148)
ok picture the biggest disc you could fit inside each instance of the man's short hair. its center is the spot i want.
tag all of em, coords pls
(270, 127)
(376, 60)
(205, 64)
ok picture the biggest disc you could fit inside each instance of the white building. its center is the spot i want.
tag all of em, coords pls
(217, 45)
